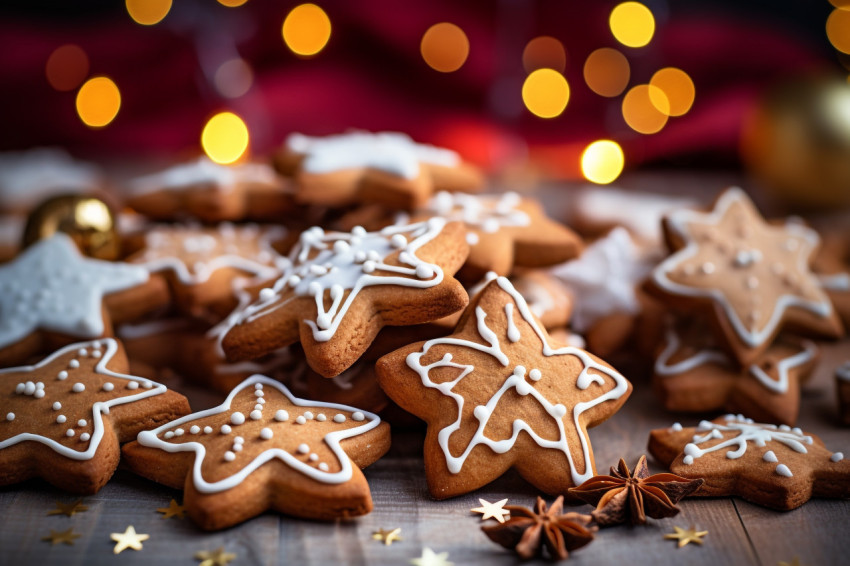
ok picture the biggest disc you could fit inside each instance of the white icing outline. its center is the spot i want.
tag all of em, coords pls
(203, 171)
(515, 381)
(839, 282)
(678, 221)
(99, 408)
(81, 284)
(151, 439)
(486, 213)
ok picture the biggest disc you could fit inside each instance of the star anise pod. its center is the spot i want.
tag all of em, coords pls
(528, 532)
(631, 497)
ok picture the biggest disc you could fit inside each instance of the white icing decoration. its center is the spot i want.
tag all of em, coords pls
(225, 429)
(237, 418)
(603, 279)
(486, 213)
(281, 415)
(204, 172)
(57, 405)
(514, 381)
(323, 467)
(752, 337)
(28, 177)
(836, 457)
(339, 418)
(53, 287)
(153, 328)
(770, 456)
(78, 388)
(513, 333)
(208, 430)
(839, 282)
(391, 152)
(133, 385)
(300, 419)
(676, 427)
(783, 470)
(98, 409)
(195, 429)
(229, 456)
(62, 375)
(266, 433)
(331, 441)
(85, 437)
(81, 422)
(316, 250)
(108, 386)
(10, 416)
(303, 448)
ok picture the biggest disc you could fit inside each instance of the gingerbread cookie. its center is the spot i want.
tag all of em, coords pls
(504, 231)
(211, 192)
(498, 394)
(341, 288)
(752, 278)
(387, 168)
(201, 263)
(842, 386)
(548, 298)
(65, 416)
(264, 449)
(775, 466)
(694, 374)
(52, 295)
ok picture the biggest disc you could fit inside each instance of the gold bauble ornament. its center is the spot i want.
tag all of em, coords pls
(797, 143)
(88, 220)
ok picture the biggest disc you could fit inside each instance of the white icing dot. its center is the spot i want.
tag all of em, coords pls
(339, 418)
(266, 433)
(783, 470)
(424, 271)
(676, 426)
(10, 416)
(321, 417)
(82, 422)
(229, 456)
(398, 241)
(208, 430)
(258, 407)
(358, 231)
(523, 388)
(281, 415)
(341, 246)
(369, 266)
(836, 457)
(39, 393)
(770, 456)
(314, 457)
(133, 385)
(179, 432)
(195, 429)
(324, 321)
(519, 370)
(61, 419)
(303, 448)
(78, 388)
(300, 419)
(558, 411)
(82, 352)
(29, 388)
(323, 467)
(259, 393)
(20, 388)
(267, 294)
(73, 364)
(238, 440)
(707, 268)
(225, 429)
(357, 416)
(85, 437)
(308, 415)
(237, 448)
(169, 435)
(70, 432)
(237, 418)
(62, 375)
(147, 384)
(535, 374)
(258, 386)
(57, 405)
(96, 353)
(256, 415)
(688, 460)
(108, 386)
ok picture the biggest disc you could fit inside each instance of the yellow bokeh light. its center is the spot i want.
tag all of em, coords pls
(607, 72)
(444, 47)
(232, 3)
(632, 24)
(838, 29)
(67, 67)
(148, 12)
(602, 162)
(225, 138)
(306, 30)
(545, 93)
(98, 102)
(544, 52)
(641, 113)
(678, 90)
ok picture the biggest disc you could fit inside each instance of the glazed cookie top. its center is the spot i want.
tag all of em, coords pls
(51, 286)
(259, 421)
(60, 402)
(204, 171)
(391, 152)
(752, 270)
(481, 213)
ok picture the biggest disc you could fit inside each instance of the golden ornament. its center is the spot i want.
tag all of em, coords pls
(685, 536)
(797, 143)
(128, 539)
(387, 536)
(68, 509)
(88, 220)
(174, 509)
(55, 537)
(492, 510)
(217, 557)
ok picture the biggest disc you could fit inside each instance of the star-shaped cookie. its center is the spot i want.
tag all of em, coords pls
(752, 276)
(775, 466)
(264, 449)
(51, 295)
(692, 373)
(497, 393)
(211, 192)
(201, 263)
(386, 167)
(504, 231)
(65, 416)
(343, 287)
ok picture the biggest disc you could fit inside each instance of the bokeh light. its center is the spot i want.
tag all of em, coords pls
(306, 30)
(607, 72)
(840, 3)
(602, 162)
(632, 24)
(225, 138)
(444, 47)
(67, 67)
(678, 90)
(544, 52)
(641, 113)
(98, 102)
(148, 12)
(233, 78)
(838, 29)
(545, 93)
(232, 3)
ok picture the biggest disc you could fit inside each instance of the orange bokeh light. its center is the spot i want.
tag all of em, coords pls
(67, 67)
(607, 72)
(444, 47)
(640, 109)
(544, 52)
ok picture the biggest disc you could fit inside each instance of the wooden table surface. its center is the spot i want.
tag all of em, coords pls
(818, 533)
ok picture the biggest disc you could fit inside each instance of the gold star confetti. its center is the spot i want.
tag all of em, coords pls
(492, 510)
(217, 557)
(174, 509)
(387, 537)
(68, 508)
(431, 558)
(128, 539)
(55, 537)
(685, 536)
(794, 562)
